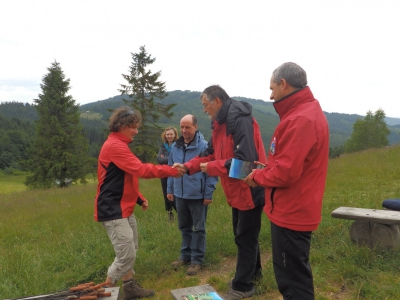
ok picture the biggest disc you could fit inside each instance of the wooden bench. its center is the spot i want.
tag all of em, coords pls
(372, 227)
(381, 216)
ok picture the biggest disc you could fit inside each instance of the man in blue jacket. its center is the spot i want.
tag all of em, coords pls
(192, 193)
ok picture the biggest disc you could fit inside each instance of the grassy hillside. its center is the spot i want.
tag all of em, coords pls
(49, 241)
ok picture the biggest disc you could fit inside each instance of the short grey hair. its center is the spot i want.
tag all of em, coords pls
(292, 73)
(213, 92)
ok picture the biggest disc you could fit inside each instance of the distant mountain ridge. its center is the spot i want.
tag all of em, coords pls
(188, 102)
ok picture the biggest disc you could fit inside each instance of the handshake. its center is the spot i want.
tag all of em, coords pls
(183, 170)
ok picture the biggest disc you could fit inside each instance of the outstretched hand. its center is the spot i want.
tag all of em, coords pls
(181, 169)
(203, 167)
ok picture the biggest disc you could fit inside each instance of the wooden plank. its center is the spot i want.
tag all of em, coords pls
(381, 216)
(115, 294)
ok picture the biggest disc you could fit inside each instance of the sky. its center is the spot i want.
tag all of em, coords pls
(350, 49)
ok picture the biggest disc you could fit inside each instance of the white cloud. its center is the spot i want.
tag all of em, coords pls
(348, 48)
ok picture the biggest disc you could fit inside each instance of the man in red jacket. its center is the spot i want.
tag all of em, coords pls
(117, 195)
(294, 179)
(235, 134)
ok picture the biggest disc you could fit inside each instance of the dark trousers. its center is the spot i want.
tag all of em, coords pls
(246, 229)
(169, 205)
(290, 255)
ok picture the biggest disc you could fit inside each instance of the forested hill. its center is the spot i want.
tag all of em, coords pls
(22, 111)
(95, 114)
(188, 102)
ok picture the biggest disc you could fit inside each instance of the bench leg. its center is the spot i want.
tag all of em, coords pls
(375, 235)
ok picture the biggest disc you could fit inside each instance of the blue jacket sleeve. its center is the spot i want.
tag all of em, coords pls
(210, 185)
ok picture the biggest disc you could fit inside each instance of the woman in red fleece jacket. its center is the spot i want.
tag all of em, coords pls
(118, 193)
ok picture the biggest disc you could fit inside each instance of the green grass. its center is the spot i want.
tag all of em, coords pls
(50, 242)
(11, 183)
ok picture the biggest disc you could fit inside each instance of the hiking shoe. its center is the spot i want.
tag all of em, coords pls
(193, 269)
(132, 290)
(256, 282)
(236, 295)
(179, 263)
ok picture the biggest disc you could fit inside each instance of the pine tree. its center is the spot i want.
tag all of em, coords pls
(143, 88)
(370, 132)
(58, 155)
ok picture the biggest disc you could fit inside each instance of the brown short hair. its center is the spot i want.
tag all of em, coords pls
(123, 117)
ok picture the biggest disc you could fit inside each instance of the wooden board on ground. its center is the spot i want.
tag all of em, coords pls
(179, 294)
(382, 216)
(115, 295)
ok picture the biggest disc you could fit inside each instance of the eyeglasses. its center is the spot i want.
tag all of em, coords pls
(206, 104)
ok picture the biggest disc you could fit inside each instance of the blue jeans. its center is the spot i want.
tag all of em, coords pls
(192, 215)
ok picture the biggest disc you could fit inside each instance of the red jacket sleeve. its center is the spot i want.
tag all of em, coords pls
(128, 162)
(193, 165)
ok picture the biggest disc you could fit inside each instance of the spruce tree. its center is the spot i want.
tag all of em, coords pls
(143, 87)
(58, 154)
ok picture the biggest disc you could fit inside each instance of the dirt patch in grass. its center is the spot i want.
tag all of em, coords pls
(225, 271)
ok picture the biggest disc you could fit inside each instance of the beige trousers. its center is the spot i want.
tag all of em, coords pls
(124, 238)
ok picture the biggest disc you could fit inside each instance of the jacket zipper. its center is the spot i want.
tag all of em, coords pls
(184, 157)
